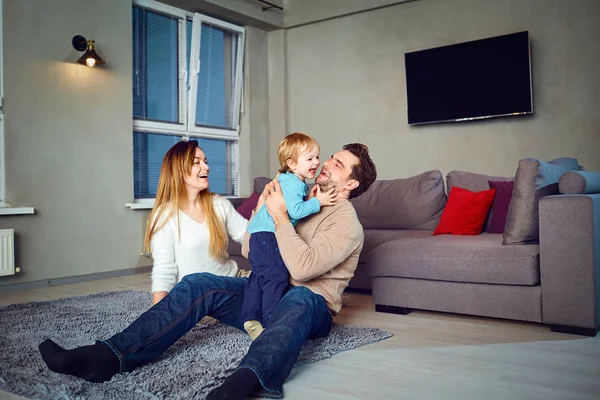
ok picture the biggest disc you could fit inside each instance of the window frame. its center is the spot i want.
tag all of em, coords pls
(187, 128)
(167, 127)
(216, 133)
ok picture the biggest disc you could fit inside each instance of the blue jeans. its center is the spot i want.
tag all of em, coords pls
(301, 314)
(269, 279)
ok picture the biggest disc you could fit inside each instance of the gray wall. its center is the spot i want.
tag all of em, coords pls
(298, 12)
(69, 138)
(241, 12)
(345, 82)
(277, 106)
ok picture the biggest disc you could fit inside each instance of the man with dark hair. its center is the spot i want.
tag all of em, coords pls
(365, 171)
(321, 256)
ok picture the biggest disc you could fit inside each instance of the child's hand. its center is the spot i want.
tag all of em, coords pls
(326, 198)
(313, 192)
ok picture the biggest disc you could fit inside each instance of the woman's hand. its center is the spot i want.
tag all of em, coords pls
(158, 296)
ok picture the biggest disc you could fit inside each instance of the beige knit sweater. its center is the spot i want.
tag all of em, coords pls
(322, 253)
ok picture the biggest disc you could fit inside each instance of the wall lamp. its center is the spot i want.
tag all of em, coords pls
(89, 58)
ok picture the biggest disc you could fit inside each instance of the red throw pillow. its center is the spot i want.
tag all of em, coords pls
(465, 212)
(500, 205)
(245, 209)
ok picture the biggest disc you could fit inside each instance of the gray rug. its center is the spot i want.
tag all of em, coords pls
(197, 363)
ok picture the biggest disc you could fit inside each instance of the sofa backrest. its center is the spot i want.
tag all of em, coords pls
(260, 182)
(471, 181)
(411, 203)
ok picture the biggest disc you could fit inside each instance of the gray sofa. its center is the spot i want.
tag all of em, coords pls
(554, 282)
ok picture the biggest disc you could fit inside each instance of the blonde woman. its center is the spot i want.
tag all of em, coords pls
(188, 229)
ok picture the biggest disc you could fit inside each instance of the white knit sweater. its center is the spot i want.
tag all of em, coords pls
(175, 257)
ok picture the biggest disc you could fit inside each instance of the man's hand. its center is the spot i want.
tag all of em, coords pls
(276, 203)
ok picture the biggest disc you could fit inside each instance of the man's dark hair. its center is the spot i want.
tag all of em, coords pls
(364, 172)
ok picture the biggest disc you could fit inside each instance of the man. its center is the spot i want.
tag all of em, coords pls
(321, 257)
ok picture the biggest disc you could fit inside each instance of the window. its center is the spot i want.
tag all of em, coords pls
(2, 164)
(187, 75)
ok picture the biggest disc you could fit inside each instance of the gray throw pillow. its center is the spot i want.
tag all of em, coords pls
(579, 182)
(260, 182)
(534, 180)
(410, 203)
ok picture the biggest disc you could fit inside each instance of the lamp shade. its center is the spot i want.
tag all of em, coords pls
(89, 58)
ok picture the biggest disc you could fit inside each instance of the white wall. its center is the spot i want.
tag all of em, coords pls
(69, 144)
(345, 82)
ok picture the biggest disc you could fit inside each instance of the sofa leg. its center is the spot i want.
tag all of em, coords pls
(392, 309)
(575, 330)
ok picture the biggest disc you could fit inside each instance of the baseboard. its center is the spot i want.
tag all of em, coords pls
(74, 279)
(575, 330)
(393, 309)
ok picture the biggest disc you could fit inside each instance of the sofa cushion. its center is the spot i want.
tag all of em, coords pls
(234, 248)
(534, 180)
(245, 209)
(376, 237)
(474, 259)
(411, 203)
(475, 183)
(260, 183)
(579, 182)
(465, 212)
(569, 163)
(500, 205)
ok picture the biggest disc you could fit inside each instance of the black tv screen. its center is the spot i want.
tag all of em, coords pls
(479, 79)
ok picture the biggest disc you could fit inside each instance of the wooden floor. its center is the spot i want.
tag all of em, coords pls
(430, 356)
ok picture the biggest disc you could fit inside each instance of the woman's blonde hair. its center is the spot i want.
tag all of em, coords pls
(176, 164)
(291, 146)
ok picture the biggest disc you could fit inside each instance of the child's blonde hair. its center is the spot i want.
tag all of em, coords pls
(291, 146)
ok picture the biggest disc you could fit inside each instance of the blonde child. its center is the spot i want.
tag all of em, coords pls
(298, 155)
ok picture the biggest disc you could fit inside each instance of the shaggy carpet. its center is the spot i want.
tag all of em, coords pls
(191, 368)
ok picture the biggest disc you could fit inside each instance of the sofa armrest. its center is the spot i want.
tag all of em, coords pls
(570, 260)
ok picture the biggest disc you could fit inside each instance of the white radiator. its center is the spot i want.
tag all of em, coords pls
(7, 252)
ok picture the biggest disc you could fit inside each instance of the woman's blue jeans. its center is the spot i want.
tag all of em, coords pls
(301, 314)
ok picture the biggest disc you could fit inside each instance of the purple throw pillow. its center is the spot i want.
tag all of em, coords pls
(245, 209)
(500, 205)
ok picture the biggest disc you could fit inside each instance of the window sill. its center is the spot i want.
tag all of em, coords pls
(140, 205)
(16, 211)
(148, 204)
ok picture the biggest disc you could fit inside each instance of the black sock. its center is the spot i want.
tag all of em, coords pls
(236, 387)
(94, 363)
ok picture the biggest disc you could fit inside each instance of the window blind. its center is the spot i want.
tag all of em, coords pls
(157, 95)
(149, 150)
(217, 92)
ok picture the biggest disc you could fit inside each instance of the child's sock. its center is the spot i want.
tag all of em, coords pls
(254, 328)
(94, 363)
(236, 387)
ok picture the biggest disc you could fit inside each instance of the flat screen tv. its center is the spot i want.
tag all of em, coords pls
(472, 80)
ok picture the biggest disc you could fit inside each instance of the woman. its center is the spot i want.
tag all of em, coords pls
(187, 229)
